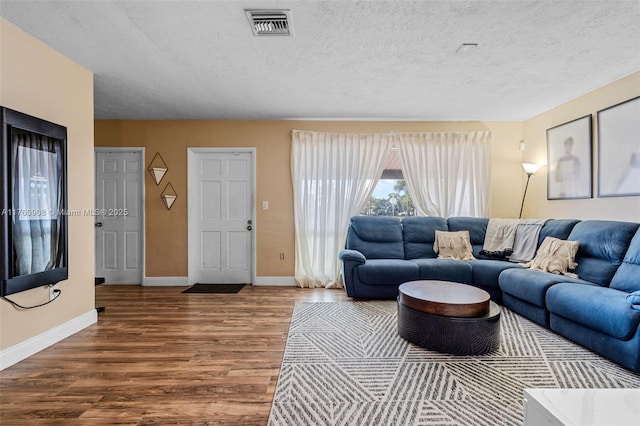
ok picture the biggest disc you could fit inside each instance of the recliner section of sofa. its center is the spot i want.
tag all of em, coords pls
(599, 317)
(375, 256)
(382, 253)
(603, 245)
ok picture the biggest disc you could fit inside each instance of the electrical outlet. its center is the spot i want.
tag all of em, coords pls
(53, 291)
(281, 256)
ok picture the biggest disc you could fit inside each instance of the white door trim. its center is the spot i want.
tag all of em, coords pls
(191, 155)
(142, 194)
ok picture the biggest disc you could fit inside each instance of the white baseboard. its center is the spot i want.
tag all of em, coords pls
(165, 281)
(117, 283)
(23, 350)
(275, 281)
(184, 281)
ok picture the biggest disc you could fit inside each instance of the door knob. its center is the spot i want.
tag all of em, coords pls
(249, 228)
(98, 224)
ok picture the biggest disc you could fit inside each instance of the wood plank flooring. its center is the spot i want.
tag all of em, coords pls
(157, 356)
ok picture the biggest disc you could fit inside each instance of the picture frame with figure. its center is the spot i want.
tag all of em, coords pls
(569, 172)
(619, 149)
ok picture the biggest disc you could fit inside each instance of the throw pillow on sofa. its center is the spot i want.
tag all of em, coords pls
(556, 256)
(453, 245)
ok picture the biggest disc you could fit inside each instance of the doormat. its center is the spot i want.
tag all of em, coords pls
(214, 288)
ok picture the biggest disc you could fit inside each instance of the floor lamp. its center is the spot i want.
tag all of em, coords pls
(530, 169)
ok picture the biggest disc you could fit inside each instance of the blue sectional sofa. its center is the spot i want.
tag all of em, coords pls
(383, 252)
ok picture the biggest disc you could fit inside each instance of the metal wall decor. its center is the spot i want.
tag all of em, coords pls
(169, 196)
(157, 168)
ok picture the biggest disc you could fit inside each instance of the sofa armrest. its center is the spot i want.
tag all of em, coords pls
(352, 255)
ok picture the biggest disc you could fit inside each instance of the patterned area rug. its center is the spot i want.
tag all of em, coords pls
(344, 364)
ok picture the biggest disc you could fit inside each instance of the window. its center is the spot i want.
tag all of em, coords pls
(390, 196)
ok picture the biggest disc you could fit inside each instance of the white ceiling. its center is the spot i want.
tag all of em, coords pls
(346, 60)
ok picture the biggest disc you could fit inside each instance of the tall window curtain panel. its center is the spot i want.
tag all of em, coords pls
(447, 173)
(333, 177)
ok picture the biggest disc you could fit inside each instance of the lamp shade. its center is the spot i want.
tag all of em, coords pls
(531, 168)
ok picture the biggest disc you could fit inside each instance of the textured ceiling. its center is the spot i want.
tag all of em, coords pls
(346, 60)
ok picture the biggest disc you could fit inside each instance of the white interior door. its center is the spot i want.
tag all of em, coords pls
(118, 216)
(220, 216)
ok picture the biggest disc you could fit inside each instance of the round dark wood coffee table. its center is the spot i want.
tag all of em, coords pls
(448, 317)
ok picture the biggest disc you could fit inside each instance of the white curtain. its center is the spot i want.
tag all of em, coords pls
(333, 177)
(447, 173)
(36, 189)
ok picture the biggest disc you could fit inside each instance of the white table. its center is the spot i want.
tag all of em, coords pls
(582, 407)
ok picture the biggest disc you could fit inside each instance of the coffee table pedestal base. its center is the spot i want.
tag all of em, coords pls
(453, 335)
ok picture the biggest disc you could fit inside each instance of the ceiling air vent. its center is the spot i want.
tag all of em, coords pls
(270, 22)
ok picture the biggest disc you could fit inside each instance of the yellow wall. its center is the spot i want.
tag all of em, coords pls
(612, 208)
(166, 231)
(38, 81)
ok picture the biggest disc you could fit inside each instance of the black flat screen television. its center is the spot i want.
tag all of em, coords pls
(33, 202)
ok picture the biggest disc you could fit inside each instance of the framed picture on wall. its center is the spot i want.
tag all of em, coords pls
(619, 149)
(569, 173)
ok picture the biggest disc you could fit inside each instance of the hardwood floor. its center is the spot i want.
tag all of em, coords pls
(157, 356)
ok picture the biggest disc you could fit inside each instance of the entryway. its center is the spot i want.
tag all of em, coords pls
(221, 206)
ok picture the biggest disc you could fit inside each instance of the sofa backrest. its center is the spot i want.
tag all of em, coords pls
(627, 276)
(419, 234)
(376, 237)
(603, 245)
(557, 228)
(477, 227)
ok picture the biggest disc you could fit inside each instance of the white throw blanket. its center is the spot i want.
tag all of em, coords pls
(500, 234)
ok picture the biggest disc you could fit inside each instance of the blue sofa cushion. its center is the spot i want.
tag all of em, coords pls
(477, 227)
(485, 273)
(387, 271)
(627, 277)
(600, 308)
(376, 237)
(603, 245)
(557, 228)
(444, 270)
(530, 285)
(419, 235)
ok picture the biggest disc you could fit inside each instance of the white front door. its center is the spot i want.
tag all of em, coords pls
(118, 216)
(220, 191)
